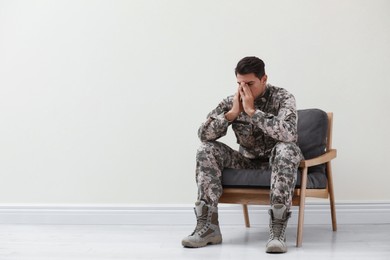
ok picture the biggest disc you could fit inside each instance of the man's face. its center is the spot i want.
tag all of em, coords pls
(256, 85)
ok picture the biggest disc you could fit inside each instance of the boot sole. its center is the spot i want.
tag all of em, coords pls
(211, 241)
(276, 250)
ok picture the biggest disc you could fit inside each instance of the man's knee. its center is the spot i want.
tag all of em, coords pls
(286, 153)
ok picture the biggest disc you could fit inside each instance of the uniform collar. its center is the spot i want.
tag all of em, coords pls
(262, 98)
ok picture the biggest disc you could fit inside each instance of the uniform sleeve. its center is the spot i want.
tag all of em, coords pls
(216, 124)
(283, 126)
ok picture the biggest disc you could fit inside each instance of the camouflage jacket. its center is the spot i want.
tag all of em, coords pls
(275, 120)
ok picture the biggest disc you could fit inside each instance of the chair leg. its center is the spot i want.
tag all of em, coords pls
(301, 207)
(331, 196)
(246, 215)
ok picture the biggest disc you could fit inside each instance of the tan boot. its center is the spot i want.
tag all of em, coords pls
(207, 228)
(278, 222)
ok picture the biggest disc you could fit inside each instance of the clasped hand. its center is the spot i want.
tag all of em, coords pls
(243, 100)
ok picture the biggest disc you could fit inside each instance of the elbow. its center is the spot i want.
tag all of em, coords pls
(287, 136)
(290, 137)
(205, 138)
(289, 133)
(203, 135)
(202, 138)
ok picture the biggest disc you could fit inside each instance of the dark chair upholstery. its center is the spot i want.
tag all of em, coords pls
(312, 131)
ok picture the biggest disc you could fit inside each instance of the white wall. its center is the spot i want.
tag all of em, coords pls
(100, 101)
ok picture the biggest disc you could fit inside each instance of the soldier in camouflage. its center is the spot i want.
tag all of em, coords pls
(264, 120)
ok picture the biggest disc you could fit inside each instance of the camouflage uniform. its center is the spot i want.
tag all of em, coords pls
(270, 134)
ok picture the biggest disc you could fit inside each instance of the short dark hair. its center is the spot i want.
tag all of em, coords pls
(249, 65)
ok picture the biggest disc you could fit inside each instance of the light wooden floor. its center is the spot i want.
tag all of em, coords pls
(59, 242)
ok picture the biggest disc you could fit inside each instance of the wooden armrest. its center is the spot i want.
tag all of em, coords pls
(324, 158)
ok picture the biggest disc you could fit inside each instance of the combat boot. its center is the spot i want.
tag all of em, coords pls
(279, 216)
(207, 227)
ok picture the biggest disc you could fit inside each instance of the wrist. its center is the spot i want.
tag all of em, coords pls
(251, 112)
(231, 116)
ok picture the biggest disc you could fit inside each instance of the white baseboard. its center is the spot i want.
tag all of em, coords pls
(315, 213)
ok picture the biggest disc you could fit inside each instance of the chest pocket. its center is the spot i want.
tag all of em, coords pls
(244, 134)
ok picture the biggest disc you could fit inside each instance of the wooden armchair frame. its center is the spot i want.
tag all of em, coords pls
(257, 196)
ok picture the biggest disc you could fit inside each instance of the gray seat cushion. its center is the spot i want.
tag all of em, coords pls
(312, 130)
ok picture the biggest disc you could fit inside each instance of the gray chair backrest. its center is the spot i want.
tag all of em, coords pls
(312, 132)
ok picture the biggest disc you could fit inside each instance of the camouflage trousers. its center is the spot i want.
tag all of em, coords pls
(212, 157)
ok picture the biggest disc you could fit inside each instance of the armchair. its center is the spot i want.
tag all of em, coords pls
(251, 187)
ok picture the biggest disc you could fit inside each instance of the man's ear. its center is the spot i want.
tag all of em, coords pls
(264, 79)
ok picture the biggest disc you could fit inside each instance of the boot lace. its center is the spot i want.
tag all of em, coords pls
(278, 229)
(200, 223)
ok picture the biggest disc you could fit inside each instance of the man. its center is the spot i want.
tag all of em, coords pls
(264, 120)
